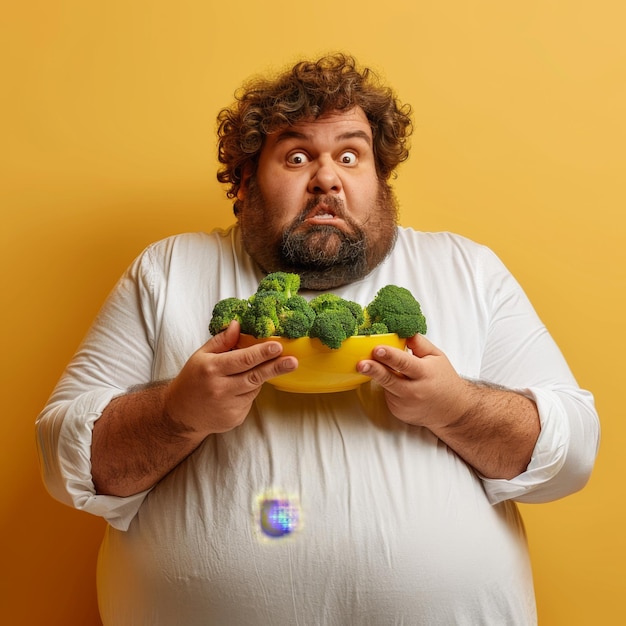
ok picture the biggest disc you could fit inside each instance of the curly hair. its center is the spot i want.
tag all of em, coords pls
(307, 91)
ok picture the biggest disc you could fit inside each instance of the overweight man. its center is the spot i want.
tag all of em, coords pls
(230, 502)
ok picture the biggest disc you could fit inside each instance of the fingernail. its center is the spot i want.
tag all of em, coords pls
(364, 368)
(273, 348)
(290, 364)
(380, 352)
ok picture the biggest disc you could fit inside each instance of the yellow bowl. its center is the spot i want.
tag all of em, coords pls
(322, 369)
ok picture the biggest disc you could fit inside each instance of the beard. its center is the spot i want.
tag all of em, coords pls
(324, 256)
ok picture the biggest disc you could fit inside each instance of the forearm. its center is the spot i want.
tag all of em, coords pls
(497, 432)
(136, 442)
(142, 436)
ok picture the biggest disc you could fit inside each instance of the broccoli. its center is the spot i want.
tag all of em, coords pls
(276, 309)
(261, 318)
(224, 312)
(398, 310)
(335, 320)
(295, 318)
(280, 281)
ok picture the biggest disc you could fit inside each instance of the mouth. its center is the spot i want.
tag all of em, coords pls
(322, 213)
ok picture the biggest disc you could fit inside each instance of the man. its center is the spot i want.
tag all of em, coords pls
(230, 502)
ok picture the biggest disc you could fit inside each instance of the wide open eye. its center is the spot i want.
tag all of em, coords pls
(348, 158)
(297, 158)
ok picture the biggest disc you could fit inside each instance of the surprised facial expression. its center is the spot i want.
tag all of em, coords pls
(316, 205)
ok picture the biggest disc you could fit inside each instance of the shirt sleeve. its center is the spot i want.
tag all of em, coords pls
(563, 456)
(116, 354)
(520, 354)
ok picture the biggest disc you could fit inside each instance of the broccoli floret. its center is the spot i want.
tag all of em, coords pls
(261, 318)
(332, 328)
(224, 312)
(295, 318)
(280, 281)
(377, 328)
(398, 310)
(277, 309)
(335, 320)
(331, 301)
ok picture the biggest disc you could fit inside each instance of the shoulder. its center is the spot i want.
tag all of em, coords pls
(191, 248)
(440, 248)
(444, 260)
(197, 242)
(206, 261)
(193, 252)
(432, 238)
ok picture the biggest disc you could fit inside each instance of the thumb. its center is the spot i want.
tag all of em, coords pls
(421, 347)
(224, 341)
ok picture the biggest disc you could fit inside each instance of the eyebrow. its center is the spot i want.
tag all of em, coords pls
(352, 134)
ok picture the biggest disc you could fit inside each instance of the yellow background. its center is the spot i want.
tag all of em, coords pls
(107, 137)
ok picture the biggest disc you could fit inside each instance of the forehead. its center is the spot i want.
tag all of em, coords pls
(333, 126)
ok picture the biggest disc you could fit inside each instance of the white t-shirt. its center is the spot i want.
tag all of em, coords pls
(389, 526)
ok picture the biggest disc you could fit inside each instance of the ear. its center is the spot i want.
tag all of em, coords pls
(246, 173)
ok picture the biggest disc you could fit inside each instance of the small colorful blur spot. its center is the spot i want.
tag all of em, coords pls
(278, 517)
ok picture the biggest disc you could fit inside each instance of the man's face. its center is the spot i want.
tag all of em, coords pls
(315, 206)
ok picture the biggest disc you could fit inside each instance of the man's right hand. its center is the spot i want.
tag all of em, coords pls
(215, 389)
(142, 435)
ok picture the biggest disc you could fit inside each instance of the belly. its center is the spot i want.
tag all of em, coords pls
(333, 521)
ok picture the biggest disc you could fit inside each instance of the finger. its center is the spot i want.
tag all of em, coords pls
(383, 375)
(243, 360)
(397, 360)
(224, 341)
(261, 374)
(421, 347)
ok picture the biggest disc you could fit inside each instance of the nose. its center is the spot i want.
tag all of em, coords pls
(325, 178)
